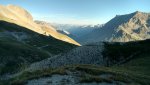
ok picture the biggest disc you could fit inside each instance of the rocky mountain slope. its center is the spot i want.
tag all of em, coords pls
(116, 63)
(20, 16)
(122, 28)
(102, 54)
(91, 54)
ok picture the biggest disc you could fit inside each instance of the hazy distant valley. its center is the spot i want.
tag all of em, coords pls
(35, 52)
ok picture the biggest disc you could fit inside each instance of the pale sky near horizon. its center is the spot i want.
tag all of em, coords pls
(79, 11)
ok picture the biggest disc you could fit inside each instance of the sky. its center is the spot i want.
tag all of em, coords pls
(81, 12)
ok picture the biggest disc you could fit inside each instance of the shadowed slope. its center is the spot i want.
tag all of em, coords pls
(20, 47)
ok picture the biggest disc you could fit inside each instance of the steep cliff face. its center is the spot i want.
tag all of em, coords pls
(123, 28)
(20, 16)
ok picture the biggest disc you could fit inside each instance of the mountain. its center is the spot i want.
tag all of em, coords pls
(122, 28)
(20, 47)
(20, 16)
(23, 42)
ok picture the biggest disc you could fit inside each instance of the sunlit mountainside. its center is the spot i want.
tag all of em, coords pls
(20, 16)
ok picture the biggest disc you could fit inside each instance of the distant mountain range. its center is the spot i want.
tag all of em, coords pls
(77, 32)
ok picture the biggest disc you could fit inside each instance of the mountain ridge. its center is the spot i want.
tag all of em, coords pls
(20, 16)
(122, 28)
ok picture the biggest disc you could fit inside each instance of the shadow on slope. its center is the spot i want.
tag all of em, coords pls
(19, 47)
(118, 53)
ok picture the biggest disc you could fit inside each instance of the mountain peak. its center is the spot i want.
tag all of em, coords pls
(124, 28)
(12, 5)
(136, 12)
(140, 13)
(22, 12)
(132, 14)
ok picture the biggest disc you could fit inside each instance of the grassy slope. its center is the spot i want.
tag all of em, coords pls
(15, 55)
(138, 69)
